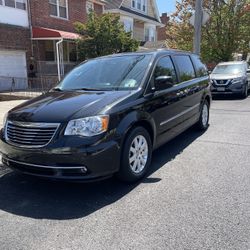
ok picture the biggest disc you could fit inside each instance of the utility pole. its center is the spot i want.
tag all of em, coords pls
(197, 26)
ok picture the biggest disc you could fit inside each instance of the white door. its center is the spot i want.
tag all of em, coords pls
(13, 70)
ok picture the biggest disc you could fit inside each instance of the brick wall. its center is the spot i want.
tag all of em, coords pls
(162, 31)
(40, 14)
(15, 38)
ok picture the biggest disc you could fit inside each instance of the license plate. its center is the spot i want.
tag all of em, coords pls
(221, 89)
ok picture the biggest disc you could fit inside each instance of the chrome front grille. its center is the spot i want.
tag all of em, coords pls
(30, 135)
(222, 82)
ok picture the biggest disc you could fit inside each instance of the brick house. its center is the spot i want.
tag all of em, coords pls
(141, 17)
(162, 36)
(15, 44)
(53, 34)
(37, 38)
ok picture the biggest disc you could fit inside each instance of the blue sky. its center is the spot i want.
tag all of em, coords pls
(166, 5)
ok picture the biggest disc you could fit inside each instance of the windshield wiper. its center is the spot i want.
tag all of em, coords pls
(57, 89)
(89, 89)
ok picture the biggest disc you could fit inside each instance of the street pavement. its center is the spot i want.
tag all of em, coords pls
(197, 196)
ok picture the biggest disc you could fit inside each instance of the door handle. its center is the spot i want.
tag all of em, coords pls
(180, 93)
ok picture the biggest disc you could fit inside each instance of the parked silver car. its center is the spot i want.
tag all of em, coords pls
(230, 78)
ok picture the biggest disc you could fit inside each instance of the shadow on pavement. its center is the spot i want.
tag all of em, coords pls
(225, 97)
(40, 199)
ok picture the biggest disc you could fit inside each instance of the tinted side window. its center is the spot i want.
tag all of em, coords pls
(201, 69)
(185, 67)
(165, 67)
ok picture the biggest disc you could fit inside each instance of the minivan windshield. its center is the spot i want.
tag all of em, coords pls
(233, 69)
(108, 73)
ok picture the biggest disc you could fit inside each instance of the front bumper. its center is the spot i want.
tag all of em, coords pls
(237, 88)
(71, 162)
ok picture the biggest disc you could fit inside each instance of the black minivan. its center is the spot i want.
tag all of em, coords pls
(107, 116)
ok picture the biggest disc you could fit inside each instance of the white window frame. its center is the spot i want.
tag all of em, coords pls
(151, 27)
(25, 1)
(130, 20)
(142, 4)
(58, 10)
(88, 10)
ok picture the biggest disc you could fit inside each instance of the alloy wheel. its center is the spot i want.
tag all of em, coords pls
(138, 154)
(204, 115)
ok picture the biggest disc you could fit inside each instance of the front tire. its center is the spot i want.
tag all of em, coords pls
(203, 122)
(245, 92)
(136, 155)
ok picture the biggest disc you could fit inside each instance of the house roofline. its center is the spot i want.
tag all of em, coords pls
(135, 16)
(121, 4)
(155, 8)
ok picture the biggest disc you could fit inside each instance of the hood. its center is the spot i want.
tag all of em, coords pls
(64, 106)
(224, 76)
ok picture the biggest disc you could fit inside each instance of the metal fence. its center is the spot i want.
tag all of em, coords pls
(26, 87)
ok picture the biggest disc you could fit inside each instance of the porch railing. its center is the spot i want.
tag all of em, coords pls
(27, 87)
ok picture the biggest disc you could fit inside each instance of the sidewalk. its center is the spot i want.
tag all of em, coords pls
(18, 95)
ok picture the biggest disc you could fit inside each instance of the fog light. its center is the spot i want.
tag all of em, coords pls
(84, 170)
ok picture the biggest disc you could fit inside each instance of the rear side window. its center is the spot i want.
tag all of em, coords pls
(185, 66)
(201, 69)
(165, 67)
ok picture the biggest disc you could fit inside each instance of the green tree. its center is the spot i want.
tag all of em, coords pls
(227, 32)
(103, 35)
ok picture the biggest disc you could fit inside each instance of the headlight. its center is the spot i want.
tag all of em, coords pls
(5, 120)
(237, 80)
(88, 126)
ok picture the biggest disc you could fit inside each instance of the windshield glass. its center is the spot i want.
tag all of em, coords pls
(114, 73)
(229, 69)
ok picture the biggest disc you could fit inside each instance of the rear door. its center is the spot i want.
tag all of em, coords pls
(191, 88)
(165, 105)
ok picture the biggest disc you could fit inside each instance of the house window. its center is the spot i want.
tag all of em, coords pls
(133, 3)
(18, 4)
(49, 51)
(89, 7)
(10, 3)
(21, 4)
(72, 52)
(59, 8)
(150, 34)
(69, 51)
(144, 5)
(140, 5)
(127, 23)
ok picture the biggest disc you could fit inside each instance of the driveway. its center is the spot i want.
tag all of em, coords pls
(197, 196)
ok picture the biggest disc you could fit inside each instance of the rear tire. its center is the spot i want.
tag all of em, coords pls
(203, 122)
(136, 155)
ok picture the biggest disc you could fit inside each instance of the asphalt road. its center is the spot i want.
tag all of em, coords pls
(197, 196)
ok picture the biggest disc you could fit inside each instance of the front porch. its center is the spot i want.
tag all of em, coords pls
(55, 53)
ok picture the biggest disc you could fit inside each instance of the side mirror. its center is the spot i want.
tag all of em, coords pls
(163, 82)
